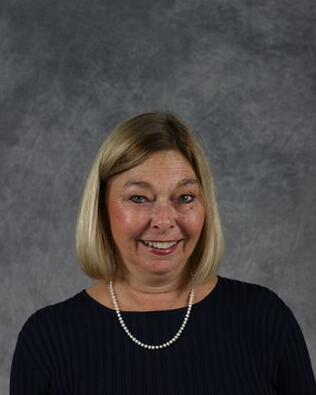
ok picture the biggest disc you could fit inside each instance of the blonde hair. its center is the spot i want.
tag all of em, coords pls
(129, 144)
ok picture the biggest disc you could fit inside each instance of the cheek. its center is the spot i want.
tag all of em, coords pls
(193, 221)
(123, 220)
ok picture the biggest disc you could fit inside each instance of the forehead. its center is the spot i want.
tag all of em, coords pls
(161, 167)
(171, 160)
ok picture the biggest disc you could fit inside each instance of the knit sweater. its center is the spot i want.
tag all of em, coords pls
(240, 339)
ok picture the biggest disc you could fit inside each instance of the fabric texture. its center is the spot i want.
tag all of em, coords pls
(240, 339)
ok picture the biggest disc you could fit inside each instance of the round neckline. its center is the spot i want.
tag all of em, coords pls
(104, 308)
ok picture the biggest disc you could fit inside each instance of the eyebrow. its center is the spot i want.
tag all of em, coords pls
(147, 185)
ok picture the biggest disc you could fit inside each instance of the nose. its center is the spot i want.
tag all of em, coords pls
(163, 217)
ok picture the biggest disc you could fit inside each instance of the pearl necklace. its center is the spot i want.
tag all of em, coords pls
(151, 346)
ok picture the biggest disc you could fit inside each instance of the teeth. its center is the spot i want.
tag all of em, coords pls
(160, 245)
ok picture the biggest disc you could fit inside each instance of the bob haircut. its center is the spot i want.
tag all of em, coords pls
(130, 144)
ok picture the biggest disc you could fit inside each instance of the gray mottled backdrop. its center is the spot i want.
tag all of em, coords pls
(242, 73)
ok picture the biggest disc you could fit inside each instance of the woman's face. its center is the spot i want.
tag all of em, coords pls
(156, 214)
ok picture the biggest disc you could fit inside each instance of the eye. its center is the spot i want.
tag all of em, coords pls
(137, 199)
(187, 198)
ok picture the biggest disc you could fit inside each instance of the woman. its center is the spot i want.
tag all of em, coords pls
(159, 320)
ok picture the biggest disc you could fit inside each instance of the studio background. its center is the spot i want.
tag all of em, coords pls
(241, 73)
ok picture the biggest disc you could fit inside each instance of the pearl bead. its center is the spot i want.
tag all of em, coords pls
(138, 342)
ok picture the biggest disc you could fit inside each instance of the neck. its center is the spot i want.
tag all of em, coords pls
(134, 293)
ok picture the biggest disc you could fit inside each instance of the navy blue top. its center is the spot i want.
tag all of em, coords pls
(240, 339)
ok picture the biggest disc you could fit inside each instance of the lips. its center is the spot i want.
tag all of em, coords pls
(161, 244)
(160, 251)
(162, 241)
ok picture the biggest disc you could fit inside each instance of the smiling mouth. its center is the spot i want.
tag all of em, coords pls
(160, 245)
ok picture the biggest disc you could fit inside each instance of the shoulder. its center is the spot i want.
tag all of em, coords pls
(44, 332)
(245, 287)
(52, 318)
(253, 296)
(258, 308)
